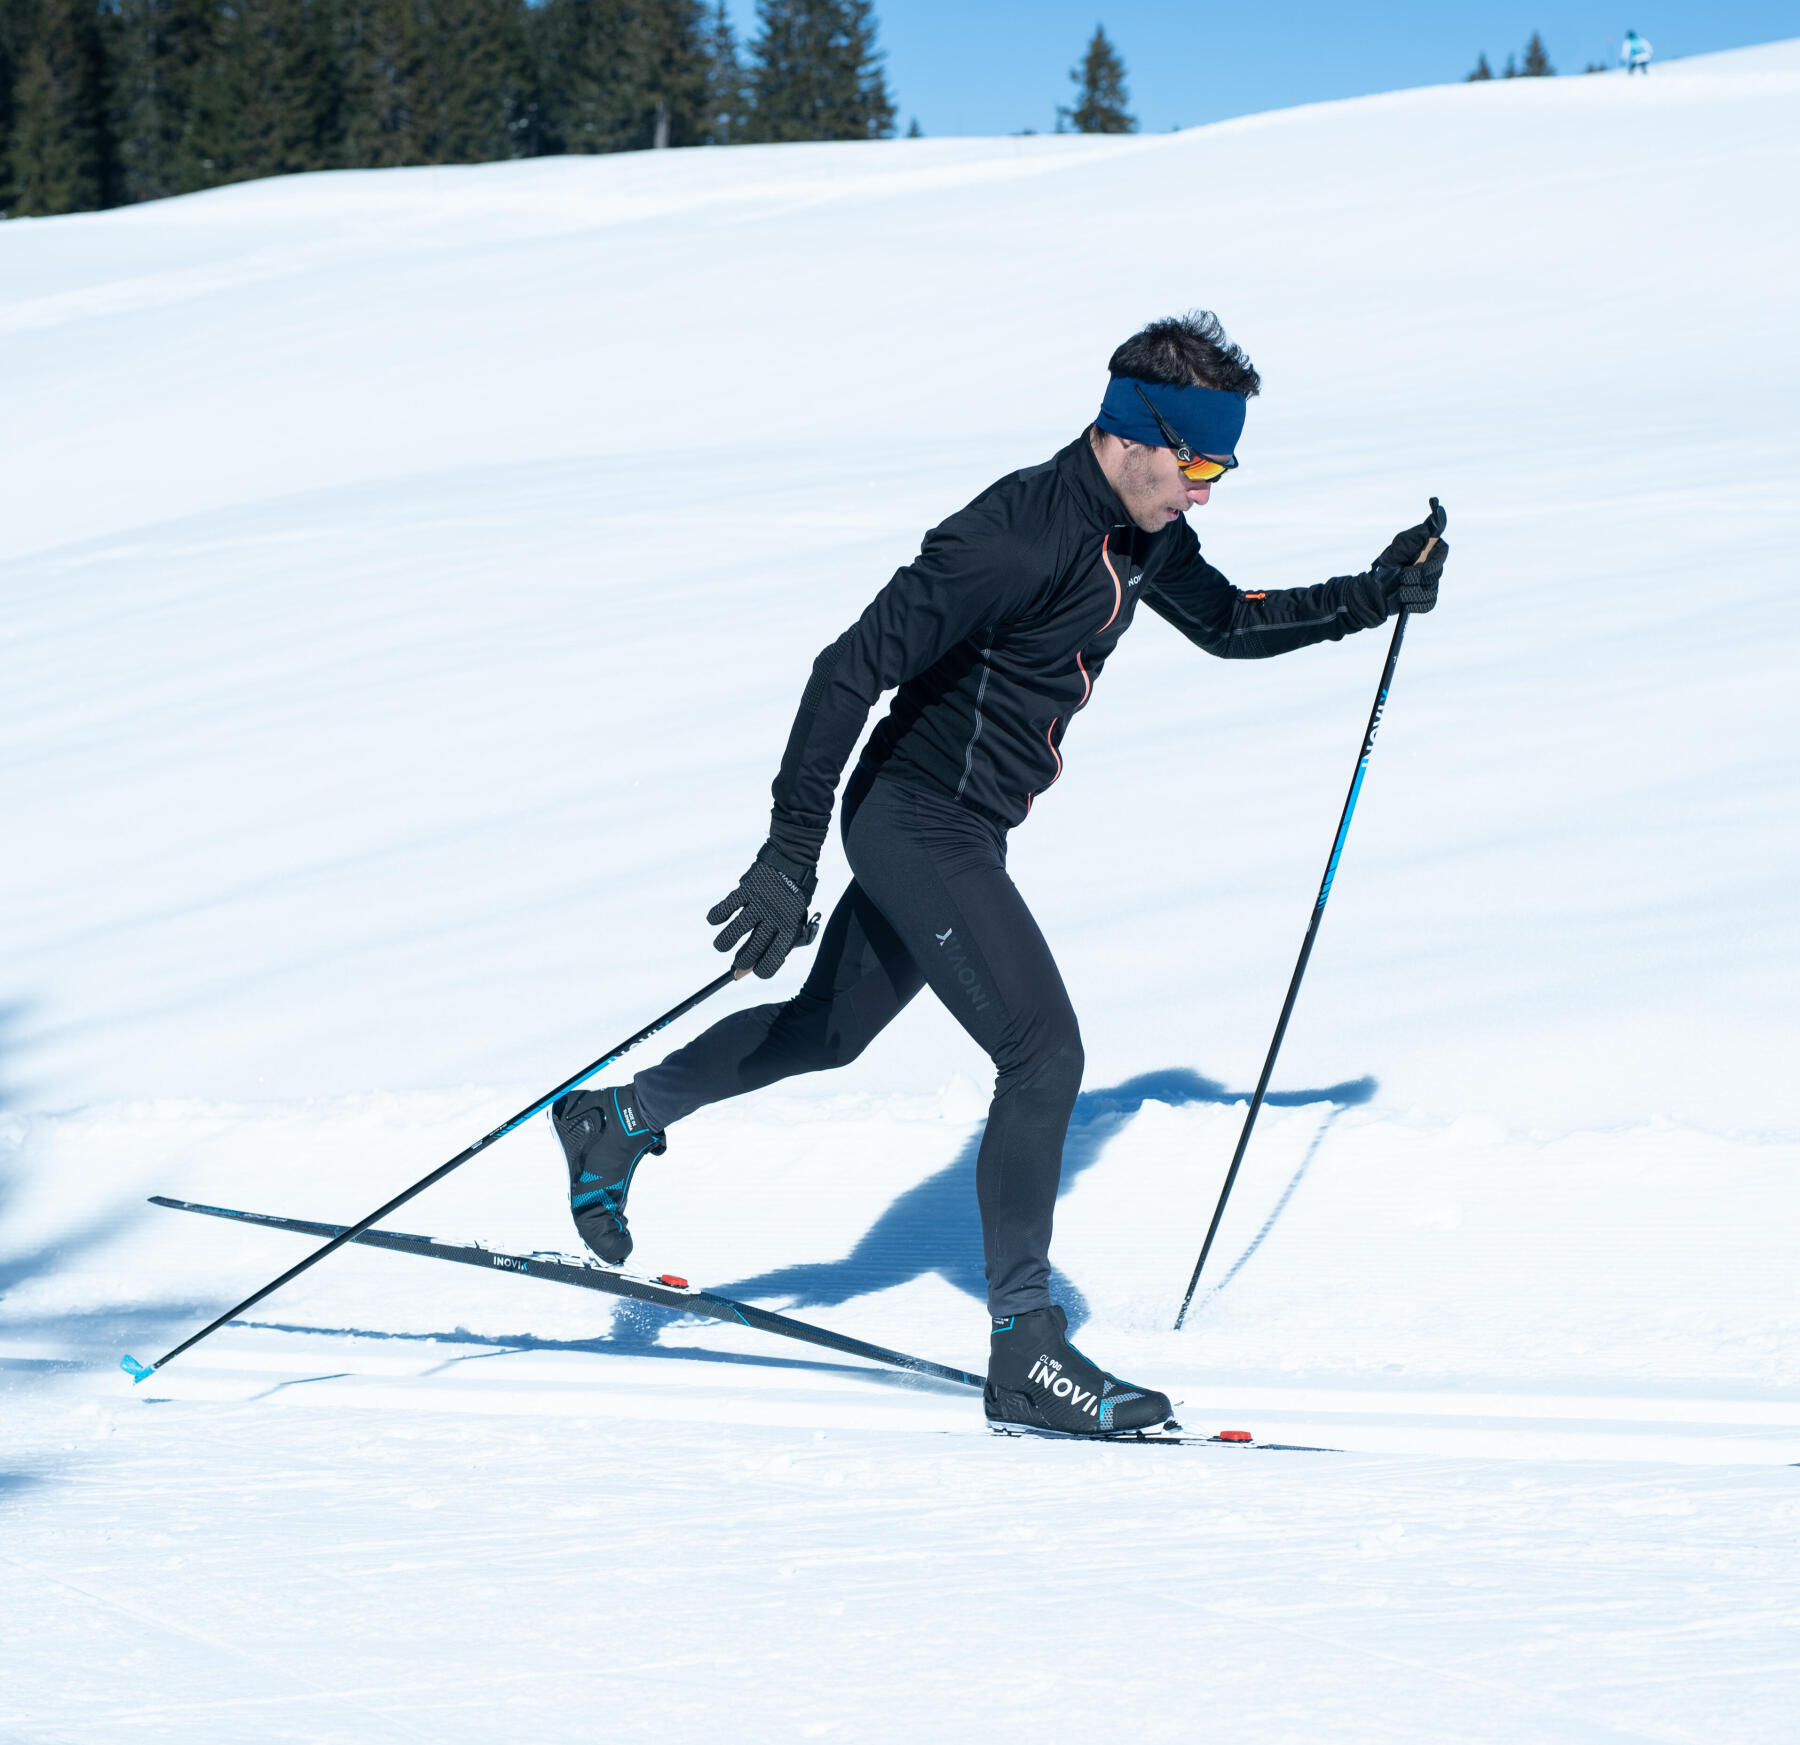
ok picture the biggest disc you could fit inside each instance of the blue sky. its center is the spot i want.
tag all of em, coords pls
(1000, 66)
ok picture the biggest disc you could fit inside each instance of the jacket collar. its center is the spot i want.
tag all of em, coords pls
(1086, 484)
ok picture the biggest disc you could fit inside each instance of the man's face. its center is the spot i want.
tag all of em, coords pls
(1148, 482)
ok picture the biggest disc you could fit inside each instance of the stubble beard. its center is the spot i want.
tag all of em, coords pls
(1143, 496)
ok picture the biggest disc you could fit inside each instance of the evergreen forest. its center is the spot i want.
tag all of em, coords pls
(106, 102)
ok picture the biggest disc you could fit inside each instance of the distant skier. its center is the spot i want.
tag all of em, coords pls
(1634, 51)
(994, 635)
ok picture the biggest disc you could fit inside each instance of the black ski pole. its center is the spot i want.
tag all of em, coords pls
(141, 1371)
(1306, 945)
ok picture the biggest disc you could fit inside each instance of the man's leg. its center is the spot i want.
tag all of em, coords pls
(937, 872)
(860, 979)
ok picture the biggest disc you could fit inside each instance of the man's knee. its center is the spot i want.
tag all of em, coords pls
(1051, 1069)
(817, 1034)
(1068, 1064)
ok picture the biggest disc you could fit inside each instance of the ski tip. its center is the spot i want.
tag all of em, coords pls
(137, 1371)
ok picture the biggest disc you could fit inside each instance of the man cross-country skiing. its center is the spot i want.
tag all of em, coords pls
(994, 635)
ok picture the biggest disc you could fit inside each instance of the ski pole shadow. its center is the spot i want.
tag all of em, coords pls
(934, 1227)
(1276, 1210)
(635, 1338)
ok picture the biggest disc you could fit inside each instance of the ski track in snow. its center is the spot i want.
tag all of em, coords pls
(410, 576)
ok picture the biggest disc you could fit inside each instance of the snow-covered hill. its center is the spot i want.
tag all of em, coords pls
(409, 579)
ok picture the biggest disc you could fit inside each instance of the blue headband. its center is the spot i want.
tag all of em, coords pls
(1209, 420)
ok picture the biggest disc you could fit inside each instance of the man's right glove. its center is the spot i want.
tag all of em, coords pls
(1408, 584)
(770, 904)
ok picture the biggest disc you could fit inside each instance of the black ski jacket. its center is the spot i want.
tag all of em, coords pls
(997, 631)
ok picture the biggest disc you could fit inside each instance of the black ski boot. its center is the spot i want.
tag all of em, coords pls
(1038, 1384)
(604, 1141)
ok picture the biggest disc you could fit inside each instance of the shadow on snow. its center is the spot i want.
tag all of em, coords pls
(931, 1228)
(934, 1227)
(620, 1342)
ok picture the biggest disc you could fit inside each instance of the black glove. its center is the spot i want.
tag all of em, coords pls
(1408, 584)
(770, 905)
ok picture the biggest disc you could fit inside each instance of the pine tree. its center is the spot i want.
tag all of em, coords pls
(473, 95)
(158, 51)
(1100, 82)
(728, 94)
(621, 75)
(267, 98)
(383, 78)
(1511, 69)
(60, 157)
(668, 75)
(1482, 69)
(1537, 59)
(816, 73)
(583, 92)
(103, 100)
(18, 25)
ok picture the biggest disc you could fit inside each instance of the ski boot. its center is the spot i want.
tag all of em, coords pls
(604, 1141)
(1038, 1384)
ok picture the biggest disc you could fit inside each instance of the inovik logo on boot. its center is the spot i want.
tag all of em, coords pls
(1047, 1373)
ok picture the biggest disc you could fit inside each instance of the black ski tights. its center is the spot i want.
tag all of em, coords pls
(930, 905)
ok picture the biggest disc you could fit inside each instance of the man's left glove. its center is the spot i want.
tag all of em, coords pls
(770, 904)
(1406, 582)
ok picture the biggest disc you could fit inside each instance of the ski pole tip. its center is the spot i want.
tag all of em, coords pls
(137, 1371)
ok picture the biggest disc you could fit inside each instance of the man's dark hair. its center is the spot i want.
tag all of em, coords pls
(1186, 351)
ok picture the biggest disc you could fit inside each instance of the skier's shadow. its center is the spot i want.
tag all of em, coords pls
(934, 1227)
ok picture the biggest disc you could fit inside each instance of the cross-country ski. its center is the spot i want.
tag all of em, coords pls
(676, 1294)
(666, 1292)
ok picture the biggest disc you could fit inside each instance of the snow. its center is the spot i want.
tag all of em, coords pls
(410, 576)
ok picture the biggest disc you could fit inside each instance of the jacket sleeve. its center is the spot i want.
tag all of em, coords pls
(971, 572)
(1223, 620)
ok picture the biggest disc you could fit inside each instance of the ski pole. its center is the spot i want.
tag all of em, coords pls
(1312, 932)
(141, 1371)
